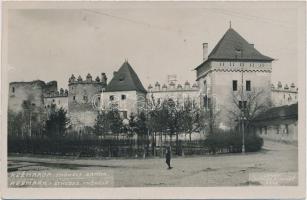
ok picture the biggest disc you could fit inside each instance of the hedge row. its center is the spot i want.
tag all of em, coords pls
(214, 143)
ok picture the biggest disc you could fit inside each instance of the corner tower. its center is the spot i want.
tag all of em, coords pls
(84, 99)
(233, 65)
(125, 91)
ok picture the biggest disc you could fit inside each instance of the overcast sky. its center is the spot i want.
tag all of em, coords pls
(157, 38)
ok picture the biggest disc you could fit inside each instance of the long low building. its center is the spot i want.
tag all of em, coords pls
(278, 124)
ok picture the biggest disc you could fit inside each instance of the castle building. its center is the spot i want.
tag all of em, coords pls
(234, 64)
(124, 92)
(177, 93)
(278, 123)
(57, 99)
(84, 99)
(33, 92)
(284, 95)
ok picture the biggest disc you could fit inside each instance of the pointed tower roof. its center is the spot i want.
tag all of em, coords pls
(232, 46)
(125, 79)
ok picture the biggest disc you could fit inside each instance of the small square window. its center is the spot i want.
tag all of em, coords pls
(111, 98)
(123, 97)
(74, 97)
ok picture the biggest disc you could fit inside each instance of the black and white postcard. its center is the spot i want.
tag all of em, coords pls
(153, 99)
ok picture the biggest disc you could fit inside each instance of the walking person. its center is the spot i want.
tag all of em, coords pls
(168, 157)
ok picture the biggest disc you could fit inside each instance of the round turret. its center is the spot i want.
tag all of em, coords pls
(286, 87)
(292, 85)
(97, 79)
(157, 86)
(187, 85)
(179, 86)
(149, 87)
(72, 79)
(61, 91)
(79, 78)
(89, 77)
(279, 85)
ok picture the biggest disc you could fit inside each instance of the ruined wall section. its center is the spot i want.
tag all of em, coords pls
(33, 92)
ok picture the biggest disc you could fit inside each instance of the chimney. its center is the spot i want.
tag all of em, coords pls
(205, 51)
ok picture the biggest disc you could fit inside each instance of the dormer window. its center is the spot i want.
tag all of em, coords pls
(121, 77)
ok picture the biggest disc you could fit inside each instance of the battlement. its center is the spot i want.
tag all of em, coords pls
(60, 93)
(88, 79)
(172, 87)
(280, 88)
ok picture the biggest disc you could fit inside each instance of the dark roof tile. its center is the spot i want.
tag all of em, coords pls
(125, 80)
(232, 46)
(281, 112)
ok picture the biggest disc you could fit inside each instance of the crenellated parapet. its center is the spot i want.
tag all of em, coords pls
(60, 93)
(284, 94)
(88, 79)
(172, 87)
(279, 87)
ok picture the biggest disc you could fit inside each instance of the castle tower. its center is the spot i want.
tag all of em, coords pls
(233, 64)
(125, 92)
(84, 100)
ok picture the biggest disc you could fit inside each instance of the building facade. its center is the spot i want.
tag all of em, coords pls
(177, 93)
(278, 124)
(57, 99)
(84, 100)
(124, 92)
(32, 92)
(233, 70)
(284, 95)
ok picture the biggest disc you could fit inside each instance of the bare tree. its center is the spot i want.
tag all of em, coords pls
(249, 104)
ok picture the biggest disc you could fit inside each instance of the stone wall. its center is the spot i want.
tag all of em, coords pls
(219, 77)
(33, 91)
(83, 99)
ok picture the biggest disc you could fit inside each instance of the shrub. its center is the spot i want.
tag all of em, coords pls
(232, 142)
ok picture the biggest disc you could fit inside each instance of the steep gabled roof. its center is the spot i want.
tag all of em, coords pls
(125, 79)
(281, 112)
(232, 46)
